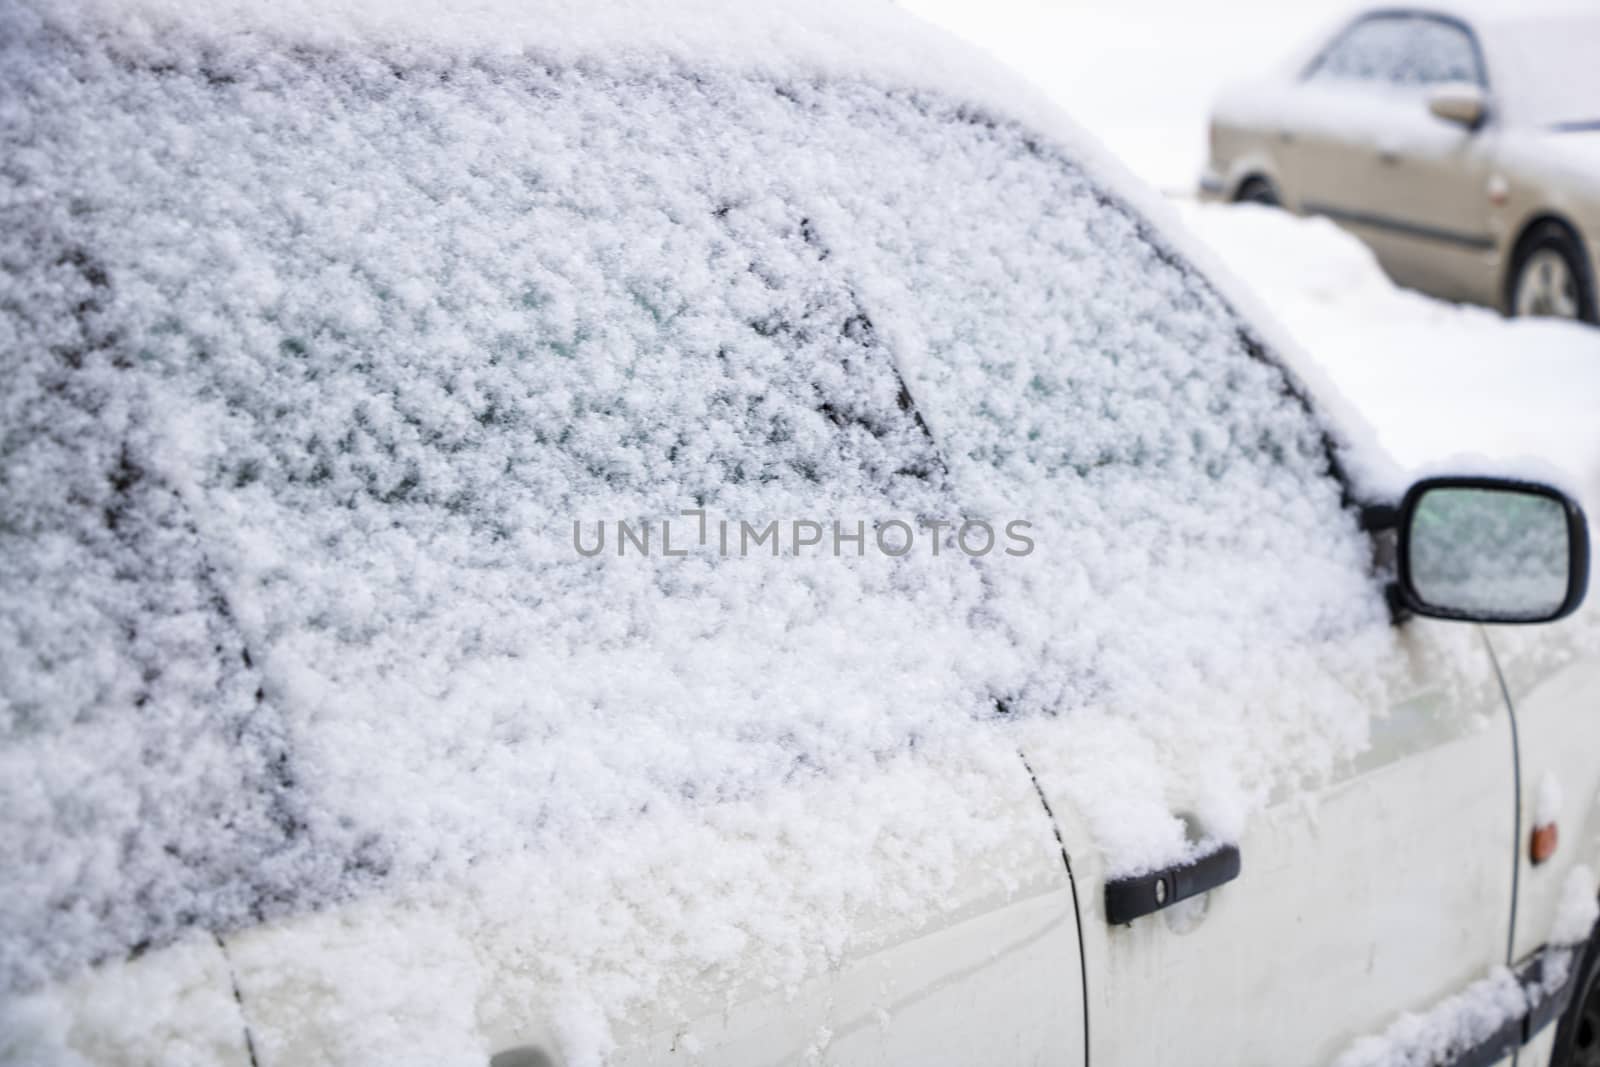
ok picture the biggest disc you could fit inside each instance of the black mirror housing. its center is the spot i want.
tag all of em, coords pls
(1483, 549)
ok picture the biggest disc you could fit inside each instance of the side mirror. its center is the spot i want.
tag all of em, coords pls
(1459, 102)
(1491, 550)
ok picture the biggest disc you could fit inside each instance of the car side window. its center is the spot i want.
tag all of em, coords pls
(1081, 376)
(618, 330)
(1403, 51)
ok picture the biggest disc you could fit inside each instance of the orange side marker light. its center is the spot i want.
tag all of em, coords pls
(1545, 840)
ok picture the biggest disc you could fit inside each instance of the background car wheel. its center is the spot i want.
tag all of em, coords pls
(1578, 1037)
(1258, 191)
(1549, 278)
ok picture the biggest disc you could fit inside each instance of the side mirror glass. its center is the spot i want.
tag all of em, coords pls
(1492, 550)
(1460, 103)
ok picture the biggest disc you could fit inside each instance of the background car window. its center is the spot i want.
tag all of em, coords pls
(1402, 50)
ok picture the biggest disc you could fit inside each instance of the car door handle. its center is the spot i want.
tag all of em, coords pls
(1389, 156)
(1286, 136)
(1129, 898)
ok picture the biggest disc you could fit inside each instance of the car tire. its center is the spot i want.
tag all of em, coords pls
(1578, 1036)
(1549, 276)
(1258, 191)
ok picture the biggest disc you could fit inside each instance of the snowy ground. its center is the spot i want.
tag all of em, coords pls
(1437, 379)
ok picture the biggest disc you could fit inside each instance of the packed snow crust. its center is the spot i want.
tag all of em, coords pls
(321, 333)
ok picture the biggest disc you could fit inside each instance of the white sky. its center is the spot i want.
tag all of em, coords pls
(1140, 74)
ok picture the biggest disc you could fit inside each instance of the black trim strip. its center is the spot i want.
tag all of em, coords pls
(1478, 243)
(1500, 1045)
(1523, 1029)
(1583, 126)
(1553, 1005)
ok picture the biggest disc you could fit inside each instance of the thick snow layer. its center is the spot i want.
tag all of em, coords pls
(323, 332)
(175, 1008)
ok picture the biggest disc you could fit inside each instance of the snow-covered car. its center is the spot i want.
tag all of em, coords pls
(1463, 145)
(558, 534)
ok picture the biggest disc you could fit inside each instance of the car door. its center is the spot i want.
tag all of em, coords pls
(1385, 889)
(1375, 160)
(1202, 650)
(1341, 102)
(1384, 886)
(1203, 654)
(1431, 186)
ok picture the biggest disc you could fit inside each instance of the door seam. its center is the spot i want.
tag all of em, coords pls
(1077, 911)
(1516, 808)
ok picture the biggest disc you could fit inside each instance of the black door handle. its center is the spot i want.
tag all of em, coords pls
(1129, 898)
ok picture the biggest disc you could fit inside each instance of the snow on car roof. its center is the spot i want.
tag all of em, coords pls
(782, 36)
(325, 332)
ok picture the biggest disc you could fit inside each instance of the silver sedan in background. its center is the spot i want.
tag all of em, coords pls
(1462, 145)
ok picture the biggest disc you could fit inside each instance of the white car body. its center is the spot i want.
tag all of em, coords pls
(968, 923)
(1313, 948)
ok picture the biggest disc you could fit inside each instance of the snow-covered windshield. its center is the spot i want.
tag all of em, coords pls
(1557, 78)
(316, 360)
